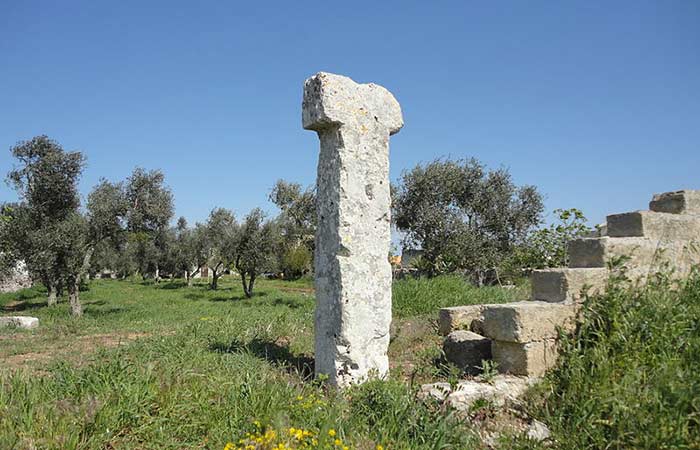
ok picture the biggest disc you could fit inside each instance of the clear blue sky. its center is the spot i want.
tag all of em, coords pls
(596, 103)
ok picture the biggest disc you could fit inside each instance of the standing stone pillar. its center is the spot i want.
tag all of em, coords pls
(353, 239)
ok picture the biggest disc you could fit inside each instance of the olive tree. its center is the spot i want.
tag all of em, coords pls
(463, 216)
(150, 209)
(255, 245)
(45, 179)
(221, 231)
(189, 249)
(297, 226)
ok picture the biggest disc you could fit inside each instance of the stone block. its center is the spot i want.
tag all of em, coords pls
(500, 390)
(655, 225)
(644, 255)
(567, 285)
(678, 202)
(466, 349)
(24, 322)
(467, 317)
(527, 321)
(526, 359)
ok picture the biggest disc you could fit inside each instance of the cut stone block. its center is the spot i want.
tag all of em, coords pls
(527, 321)
(466, 349)
(467, 317)
(23, 322)
(678, 202)
(654, 225)
(597, 252)
(529, 359)
(567, 285)
(645, 255)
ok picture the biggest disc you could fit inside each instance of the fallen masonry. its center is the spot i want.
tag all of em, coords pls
(523, 336)
(23, 322)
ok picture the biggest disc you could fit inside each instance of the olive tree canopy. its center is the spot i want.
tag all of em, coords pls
(463, 216)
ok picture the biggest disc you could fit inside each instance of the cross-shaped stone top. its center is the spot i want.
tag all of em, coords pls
(334, 100)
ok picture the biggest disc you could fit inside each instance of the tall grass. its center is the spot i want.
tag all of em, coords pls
(630, 375)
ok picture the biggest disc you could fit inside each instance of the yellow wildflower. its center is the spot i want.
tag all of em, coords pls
(338, 442)
(380, 447)
(331, 432)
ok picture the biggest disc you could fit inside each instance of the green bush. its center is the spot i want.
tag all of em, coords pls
(296, 262)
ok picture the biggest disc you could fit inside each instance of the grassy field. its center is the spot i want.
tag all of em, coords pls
(170, 367)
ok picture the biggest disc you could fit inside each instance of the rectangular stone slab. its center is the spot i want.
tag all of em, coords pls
(567, 285)
(678, 202)
(643, 255)
(527, 321)
(525, 359)
(654, 225)
(459, 318)
(24, 322)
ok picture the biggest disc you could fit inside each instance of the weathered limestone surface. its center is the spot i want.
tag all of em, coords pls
(353, 276)
(678, 202)
(24, 322)
(466, 349)
(531, 358)
(467, 317)
(567, 285)
(654, 225)
(500, 390)
(527, 321)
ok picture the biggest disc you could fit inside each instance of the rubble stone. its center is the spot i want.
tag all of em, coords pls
(678, 202)
(24, 322)
(466, 349)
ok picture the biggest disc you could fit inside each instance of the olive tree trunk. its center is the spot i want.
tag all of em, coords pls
(248, 287)
(76, 309)
(215, 275)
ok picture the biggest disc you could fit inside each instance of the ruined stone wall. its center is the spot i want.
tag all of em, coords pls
(523, 334)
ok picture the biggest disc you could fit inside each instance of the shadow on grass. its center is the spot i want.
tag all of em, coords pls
(273, 352)
(221, 298)
(104, 312)
(23, 305)
(173, 285)
(293, 303)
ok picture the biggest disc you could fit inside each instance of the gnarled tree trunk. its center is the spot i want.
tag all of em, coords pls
(248, 287)
(215, 275)
(76, 309)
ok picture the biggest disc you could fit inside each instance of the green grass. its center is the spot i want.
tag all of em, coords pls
(418, 296)
(170, 367)
(630, 376)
